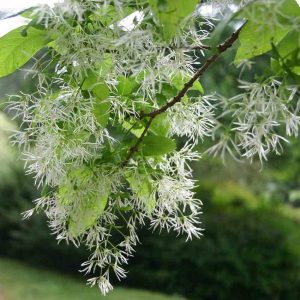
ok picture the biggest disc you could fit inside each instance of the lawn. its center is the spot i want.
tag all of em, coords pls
(20, 281)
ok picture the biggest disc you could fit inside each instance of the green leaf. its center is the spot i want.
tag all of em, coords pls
(87, 205)
(54, 45)
(16, 50)
(27, 13)
(99, 89)
(197, 86)
(125, 208)
(256, 39)
(169, 91)
(289, 9)
(155, 145)
(296, 70)
(289, 44)
(160, 125)
(141, 185)
(101, 112)
(180, 79)
(275, 66)
(171, 13)
(126, 85)
(105, 13)
(133, 129)
(70, 133)
(105, 65)
(285, 54)
(258, 35)
(86, 213)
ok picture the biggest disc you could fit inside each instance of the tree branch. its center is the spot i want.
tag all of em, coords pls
(196, 48)
(135, 147)
(220, 49)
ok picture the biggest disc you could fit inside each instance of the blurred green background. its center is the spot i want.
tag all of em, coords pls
(251, 244)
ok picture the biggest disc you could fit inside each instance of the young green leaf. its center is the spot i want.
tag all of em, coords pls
(137, 131)
(16, 50)
(126, 85)
(289, 44)
(155, 145)
(86, 213)
(106, 65)
(256, 39)
(143, 188)
(99, 89)
(160, 125)
(289, 9)
(180, 79)
(171, 13)
(102, 111)
(296, 70)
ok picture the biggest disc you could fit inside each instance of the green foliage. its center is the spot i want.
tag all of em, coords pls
(100, 89)
(171, 14)
(261, 33)
(160, 125)
(249, 251)
(289, 9)
(135, 129)
(287, 55)
(126, 86)
(141, 185)
(180, 79)
(101, 92)
(155, 145)
(102, 111)
(16, 49)
(86, 214)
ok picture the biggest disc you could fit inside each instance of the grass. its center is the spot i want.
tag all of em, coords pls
(20, 281)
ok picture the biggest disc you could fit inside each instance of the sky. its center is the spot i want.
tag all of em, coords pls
(13, 6)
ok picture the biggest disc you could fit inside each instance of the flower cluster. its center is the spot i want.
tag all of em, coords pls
(110, 64)
(256, 119)
(195, 120)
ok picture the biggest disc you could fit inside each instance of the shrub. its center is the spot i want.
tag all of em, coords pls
(246, 253)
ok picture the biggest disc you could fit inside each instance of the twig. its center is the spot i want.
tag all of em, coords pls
(135, 147)
(220, 49)
(197, 48)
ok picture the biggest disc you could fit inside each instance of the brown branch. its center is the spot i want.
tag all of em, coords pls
(196, 48)
(135, 147)
(220, 49)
